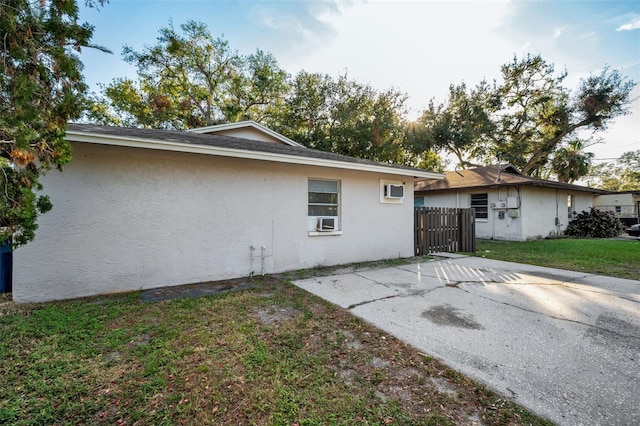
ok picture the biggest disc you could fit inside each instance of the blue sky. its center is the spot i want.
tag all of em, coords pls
(418, 47)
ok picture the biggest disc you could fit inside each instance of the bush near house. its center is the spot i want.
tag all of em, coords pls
(594, 224)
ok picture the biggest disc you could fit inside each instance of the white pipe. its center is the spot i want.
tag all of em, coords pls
(251, 248)
(262, 249)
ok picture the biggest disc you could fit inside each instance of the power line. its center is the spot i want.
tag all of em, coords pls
(606, 159)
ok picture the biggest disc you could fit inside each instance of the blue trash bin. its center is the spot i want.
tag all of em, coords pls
(6, 267)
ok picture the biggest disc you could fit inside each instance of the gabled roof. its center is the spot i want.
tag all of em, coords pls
(494, 176)
(232, 129)
(227, 146)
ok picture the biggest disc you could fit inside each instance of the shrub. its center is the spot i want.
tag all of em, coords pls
(595, 224)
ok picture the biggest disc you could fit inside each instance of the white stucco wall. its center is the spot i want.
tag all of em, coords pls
(127, 218)
(537, 211)
(507, 228)
(624, 205)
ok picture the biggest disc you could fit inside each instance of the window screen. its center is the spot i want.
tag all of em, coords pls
(323, 197)
(480, 202)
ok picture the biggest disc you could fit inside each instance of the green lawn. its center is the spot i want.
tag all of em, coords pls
(615, 258)
(272, 355)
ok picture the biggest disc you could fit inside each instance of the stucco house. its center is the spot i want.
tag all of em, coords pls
(508, 205)
(625, 205)
(140, 208)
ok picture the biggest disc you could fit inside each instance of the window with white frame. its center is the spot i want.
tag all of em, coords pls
(324, 205)
(480, 202)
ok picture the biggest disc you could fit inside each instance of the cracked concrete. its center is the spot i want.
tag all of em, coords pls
(564, 344)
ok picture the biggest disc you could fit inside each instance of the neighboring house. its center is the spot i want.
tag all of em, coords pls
(508, 205)
(625, 205)
(139, 209)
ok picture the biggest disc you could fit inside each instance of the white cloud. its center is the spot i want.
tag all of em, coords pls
(416, 47)
(558, 32)
(634, 24)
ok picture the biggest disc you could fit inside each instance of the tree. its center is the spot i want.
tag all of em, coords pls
(570, 162)
(191, 79)
(419, 148)
(599, 100)
(531, 112)
(41, 89)
(461, 125)
(621, 176)
(343, 116)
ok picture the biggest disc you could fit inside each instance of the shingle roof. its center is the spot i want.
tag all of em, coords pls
(487, 177)
(184, 138)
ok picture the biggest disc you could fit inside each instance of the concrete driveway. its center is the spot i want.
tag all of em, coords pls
(565, 345)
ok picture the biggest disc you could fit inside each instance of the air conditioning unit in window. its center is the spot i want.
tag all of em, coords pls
(326, 224)
(393, 191)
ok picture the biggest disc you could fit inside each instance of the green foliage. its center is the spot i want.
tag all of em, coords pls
(621, 176)
(570, 162)
(344, 116)
(190, 79)
(41, 88)
(594, 224)
(527, 116)
(460, 126)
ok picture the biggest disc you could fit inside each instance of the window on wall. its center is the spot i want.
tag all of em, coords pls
(324, 205)
(480, 202)
(570, 206)
(618, 209)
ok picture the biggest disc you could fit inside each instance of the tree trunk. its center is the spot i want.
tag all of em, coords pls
(551, 143)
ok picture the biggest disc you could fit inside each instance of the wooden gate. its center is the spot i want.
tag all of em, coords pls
(440, 229)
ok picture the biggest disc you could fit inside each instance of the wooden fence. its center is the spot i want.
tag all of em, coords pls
(444, 230)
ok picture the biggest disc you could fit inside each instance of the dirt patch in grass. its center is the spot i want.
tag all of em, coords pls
(269, 355)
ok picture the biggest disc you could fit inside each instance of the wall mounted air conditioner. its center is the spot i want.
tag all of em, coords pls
(393, 191)
(326, 224)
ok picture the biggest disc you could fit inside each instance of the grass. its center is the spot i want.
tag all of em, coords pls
(272, 355)
(616, 258)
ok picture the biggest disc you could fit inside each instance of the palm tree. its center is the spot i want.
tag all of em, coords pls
(570, 163)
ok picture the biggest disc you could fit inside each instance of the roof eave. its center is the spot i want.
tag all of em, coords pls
(527, 183)
(134, 142)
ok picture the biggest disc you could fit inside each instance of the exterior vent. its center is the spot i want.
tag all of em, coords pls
(326, 224)
(393, 191)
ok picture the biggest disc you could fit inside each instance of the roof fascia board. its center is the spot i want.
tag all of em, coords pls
(527, 183)
(132, 142)
(240, 125)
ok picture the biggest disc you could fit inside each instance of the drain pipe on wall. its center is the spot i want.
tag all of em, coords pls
(262, 249)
